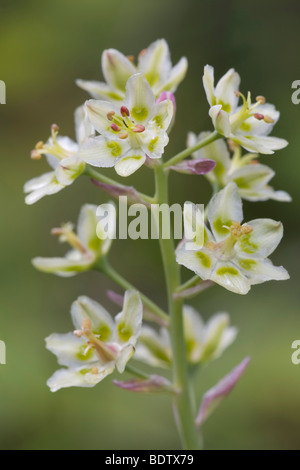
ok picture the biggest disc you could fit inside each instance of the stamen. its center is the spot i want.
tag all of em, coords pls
(110, 115)
(261, 99)
(268, 120)
(78, 333)
(115, 127)
(259, 116)
(54, 129)
(86, 324)
(130, 58)
(125, 111)
(237, 230)
(142, 53)
(95, 370)
(138, 128)
(123, 135)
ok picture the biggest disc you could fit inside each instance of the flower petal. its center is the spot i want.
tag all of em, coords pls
(116, 68)
(195, 231)
(139, 98)
(69, 169)
(43, 185)
(224, 208)
(261, 271)
(220, 120)
(102, 322)
(86, 378)
(262, 241)
(208, 83)
(162, 114)
(218, 336)
(154, 142)
(83, 127)
(129, 321)
(154, 347)
(130, 163)
(225, 91)
(228, 275)
(100, 90)
(63, 267)
(97, 112)
(259, 144)
(155, 63)
(87, 228)
(70, 350)
(176, 76)
(202, 262)
(101, 152)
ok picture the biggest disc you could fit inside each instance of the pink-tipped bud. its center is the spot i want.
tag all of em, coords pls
(115, 127)
(259, 116)
(110, 115)
(154, 384)
(201, 166)
(125, 111)
(261, 99)
(138, 128)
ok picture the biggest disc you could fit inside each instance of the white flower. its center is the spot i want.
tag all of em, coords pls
(98, 345)
(154, 63)
(252, 178)
(204, 342)
(87, 247)
(233, 255)
(248, 125)
(62, 156)
(130, 133)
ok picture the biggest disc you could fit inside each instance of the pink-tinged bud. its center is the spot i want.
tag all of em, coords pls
(117, 299)
(201, 166)
(125, 111)
(115, 127)
(215, 395)
(151, 162)
(167, 95)
(155, 384)
(259, 116)
(194, 290)
(133, 197)
(138, 128)
(110, 115)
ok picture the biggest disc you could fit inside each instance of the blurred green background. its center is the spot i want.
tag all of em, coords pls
(44, 47)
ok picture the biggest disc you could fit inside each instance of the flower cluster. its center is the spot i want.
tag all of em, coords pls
(125, 125)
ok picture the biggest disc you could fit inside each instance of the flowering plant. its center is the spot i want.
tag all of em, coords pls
(125, 125)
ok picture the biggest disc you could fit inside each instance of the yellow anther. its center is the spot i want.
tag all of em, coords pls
(261, 99)
(95, 370)
(123, 135)
(268, 120)
(110, 115)
(237, 230)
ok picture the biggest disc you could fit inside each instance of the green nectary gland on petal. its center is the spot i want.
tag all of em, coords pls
(103, 332)
(115, 148)
(84, 354)
(124, 332)
(152, 144)
(247, 263)
(225, 270)
(225, 107)
(245, 127)
(222, 226)
(205, 260)
(140, 114)
(158, 120)
(246, 245)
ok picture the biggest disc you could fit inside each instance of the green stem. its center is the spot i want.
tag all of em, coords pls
(183, 402)
(118, 279)
(190, 283)
(104, 179)
(187, 152)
